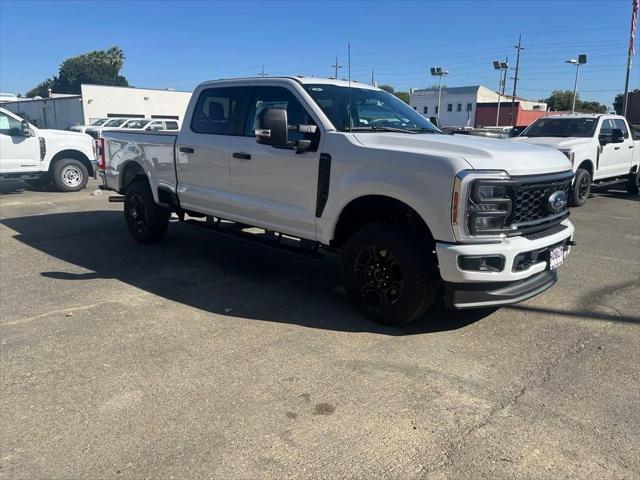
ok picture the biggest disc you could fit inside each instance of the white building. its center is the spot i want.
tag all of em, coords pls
(99, 101)
(458, 104)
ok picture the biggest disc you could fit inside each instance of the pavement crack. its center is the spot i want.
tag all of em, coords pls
(78, 308)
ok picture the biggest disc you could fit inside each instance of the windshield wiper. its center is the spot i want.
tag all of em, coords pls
(374, 128)
(424, 130)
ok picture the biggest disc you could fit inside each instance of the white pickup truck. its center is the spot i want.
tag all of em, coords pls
(352, 169)
(601, 148)
(39, 156)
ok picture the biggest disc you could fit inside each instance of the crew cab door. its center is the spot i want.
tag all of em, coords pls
(202, 149)
(615, 158)
(17, 152)
(276, 187)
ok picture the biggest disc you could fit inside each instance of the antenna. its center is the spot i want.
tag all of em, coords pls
(349, 77)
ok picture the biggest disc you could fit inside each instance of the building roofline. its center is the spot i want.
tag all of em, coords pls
(135, 88)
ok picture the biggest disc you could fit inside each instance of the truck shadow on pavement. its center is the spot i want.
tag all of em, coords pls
(211, 273)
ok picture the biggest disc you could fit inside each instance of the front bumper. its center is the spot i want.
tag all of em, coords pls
(471, 288)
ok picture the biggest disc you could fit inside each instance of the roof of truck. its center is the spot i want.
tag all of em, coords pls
(302, 80)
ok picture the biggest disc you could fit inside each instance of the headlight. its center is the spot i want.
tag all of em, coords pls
(481, 205)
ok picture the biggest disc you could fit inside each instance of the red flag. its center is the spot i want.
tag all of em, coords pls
(634, 27)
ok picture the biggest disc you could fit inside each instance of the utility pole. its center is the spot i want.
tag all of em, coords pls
(335, 66)
(373, 78)
(262, 74)
(515, 80)
(630, 53)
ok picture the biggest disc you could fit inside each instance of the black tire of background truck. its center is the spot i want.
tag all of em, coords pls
(70, 175)
(633, 185)
(146, 220)
(39, 183)
(397, 252)
(581, 188)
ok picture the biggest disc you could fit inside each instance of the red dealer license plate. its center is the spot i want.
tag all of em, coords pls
(556, 257)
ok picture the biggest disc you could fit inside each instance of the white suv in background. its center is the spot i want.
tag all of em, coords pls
(96, 123)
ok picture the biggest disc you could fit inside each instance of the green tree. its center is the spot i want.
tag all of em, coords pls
(618, 102)
(562, 100)
(100, 67)
(404, 96)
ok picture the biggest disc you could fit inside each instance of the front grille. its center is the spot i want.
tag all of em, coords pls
(531, 199)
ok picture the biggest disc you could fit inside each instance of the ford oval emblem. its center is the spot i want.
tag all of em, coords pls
(557, 201)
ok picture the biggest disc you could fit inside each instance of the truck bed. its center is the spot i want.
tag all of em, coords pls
(153, 150)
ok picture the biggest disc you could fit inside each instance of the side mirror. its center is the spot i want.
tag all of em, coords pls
(617, 136)
(272, 127)
(25, 129)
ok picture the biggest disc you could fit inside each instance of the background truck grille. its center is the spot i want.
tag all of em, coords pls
(531, 201)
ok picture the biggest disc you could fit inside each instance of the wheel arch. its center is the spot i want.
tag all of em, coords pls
(372, 208)
(129, 171)
(587, 165)
(76, 155)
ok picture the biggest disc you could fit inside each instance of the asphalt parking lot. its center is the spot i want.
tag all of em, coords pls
(203, 357)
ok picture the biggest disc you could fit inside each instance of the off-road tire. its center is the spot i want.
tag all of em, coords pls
(633, 185)
(70, 175)
(146, 220)
(581, 188)
(408, 257)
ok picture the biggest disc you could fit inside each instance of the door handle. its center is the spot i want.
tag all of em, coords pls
(616, 148)
(242, 155)
(631, 146)
(186, 149)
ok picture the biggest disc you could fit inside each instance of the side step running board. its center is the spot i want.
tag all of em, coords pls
(268, 239)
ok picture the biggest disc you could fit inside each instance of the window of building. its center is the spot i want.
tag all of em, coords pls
(459, 107)
(218, 110)
(449, 107)
(174, 117)
(425, 110)
(469, 107)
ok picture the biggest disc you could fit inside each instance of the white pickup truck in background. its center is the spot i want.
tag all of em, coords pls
(601, 148)
(352, 169)
(40, 156)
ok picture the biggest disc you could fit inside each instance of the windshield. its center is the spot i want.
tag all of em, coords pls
(370, 109)
(137, 123)
(98, 122)
(116, 122)
(561, 127)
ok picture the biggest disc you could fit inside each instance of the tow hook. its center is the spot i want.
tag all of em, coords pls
(570, 243)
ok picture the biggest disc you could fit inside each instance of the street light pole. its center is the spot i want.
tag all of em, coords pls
(582, 59)
(439, 72)
(502, 66)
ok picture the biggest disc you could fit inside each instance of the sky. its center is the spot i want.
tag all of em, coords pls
(180, 44)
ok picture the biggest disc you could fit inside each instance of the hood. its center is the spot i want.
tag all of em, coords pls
(480, 152)
(60, 133)
(65, 136)
(560, 143)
